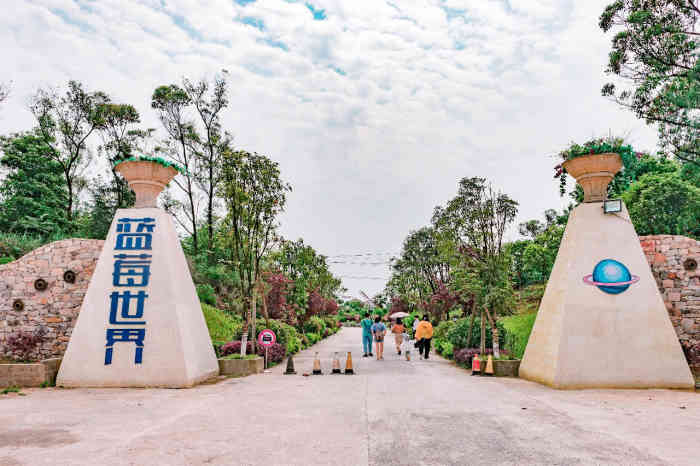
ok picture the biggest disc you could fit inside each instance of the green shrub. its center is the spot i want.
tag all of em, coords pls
(518, 330)
(222, 327)
(447, 350)
(6, 260)
(458, 335)
(206, 294)
(440, 332)
(313, 338)
(314, 325)
(287, 335)
(331, 323)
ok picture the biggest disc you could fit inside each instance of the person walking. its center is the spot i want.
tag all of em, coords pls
(415, 325)
(398, 329)
(378, 330)
(366, 335)
(424, 335)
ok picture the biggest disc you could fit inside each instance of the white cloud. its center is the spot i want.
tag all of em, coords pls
(374, 113)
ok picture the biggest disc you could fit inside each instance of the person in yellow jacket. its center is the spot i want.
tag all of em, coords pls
(424, 334)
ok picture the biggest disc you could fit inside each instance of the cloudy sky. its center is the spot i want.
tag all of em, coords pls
(374, 109)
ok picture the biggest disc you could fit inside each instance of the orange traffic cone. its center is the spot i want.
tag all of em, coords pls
(317, 365)
(476, 365)
(348, 364)
(489, 366)
(336, 364)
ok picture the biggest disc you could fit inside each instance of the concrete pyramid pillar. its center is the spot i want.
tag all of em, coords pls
(140, 324)
(589, 335)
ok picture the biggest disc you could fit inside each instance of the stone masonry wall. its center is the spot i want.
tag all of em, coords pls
(675, 260)
(53, 311)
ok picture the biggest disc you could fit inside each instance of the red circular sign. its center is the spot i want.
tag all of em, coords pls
(267, 338)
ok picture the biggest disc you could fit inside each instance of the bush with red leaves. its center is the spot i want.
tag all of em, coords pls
(275, 352)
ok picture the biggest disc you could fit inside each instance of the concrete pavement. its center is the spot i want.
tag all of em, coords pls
(392, 412)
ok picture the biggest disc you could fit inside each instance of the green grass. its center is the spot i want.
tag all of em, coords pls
(12, 389)
(518, 328)
(222, 326)
(238, 356)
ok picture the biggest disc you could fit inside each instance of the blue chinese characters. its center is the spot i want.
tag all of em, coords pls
(133, 271)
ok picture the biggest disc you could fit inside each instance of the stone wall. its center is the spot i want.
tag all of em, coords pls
(675, 263)
(53, 310)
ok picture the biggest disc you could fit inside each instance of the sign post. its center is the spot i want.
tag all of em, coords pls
(267, 338)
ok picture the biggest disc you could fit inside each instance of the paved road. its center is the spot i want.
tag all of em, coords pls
(392, 412)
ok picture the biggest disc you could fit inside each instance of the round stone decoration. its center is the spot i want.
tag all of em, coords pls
(40, 284)
(690, 264)
(69, 276)
(18, 305)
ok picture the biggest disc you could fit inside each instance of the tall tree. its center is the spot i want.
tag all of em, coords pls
(664, 204)
(172, 102)
(120, 138)
(65, 122)
(213, 143)
(254, 195)
(306, 269)
(33, 194)
(476, 220)
(656, 50)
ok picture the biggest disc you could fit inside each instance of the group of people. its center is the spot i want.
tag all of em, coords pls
(376, 331)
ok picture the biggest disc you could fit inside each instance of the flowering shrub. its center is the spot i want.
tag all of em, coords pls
(145, 158)
(595, 146)
(464, 356)
(275, 352)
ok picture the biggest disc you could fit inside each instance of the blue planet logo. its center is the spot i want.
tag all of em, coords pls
(611, 276)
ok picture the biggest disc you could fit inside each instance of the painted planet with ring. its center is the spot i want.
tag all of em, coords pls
(611, 276)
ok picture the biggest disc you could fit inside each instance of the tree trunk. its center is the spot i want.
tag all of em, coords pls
(254, 316)
(494, 335)
(471, 327)
(482, 344)
(69, 213)
(244, 334)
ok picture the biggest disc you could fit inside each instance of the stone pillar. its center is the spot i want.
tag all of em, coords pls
(141, 324)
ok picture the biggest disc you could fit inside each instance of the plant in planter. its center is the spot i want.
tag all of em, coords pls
(147, 177)
(594, 164)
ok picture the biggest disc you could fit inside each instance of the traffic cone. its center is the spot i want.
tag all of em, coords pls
(476, 365)
(348, 364)
(336, 364)
(317, 365)
(489, 366)
(290, 366)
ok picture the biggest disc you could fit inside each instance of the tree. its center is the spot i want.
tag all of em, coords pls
(664, 204)
(307, 270)
(120, 139)
(213, 144)
(656, 50)
(254, 195)
(65, 123)
(473, 225)
(420, 267)
(33, 194)
(171, 102)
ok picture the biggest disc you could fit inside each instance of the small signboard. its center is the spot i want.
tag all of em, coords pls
(267, 338)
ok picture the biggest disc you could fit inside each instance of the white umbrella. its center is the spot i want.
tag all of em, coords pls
(396, 315)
